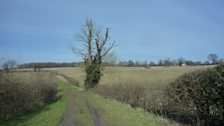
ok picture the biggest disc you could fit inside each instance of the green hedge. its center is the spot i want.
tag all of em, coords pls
(200, 95)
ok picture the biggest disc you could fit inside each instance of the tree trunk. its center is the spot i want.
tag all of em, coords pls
(89, 24)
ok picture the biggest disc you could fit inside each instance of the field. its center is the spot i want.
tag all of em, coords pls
(139, 87)
(134, 75)
(134, 96)
(114, 113)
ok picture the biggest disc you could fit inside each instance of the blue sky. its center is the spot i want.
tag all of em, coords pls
(41, 30)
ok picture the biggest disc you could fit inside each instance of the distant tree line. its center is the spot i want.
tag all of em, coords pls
(166, 62)
(9, 65)
(48, 65)
(212, 60)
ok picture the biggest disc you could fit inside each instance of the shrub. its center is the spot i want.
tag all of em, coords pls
(199, 95)
(25, 92)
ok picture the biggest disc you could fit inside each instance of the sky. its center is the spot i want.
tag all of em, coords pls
(42, 30)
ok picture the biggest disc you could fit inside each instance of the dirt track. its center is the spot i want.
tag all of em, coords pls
(96, 117)
(69, 119)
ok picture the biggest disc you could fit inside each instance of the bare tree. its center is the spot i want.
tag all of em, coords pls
(9, 65)
(167, 62)
(213, 57)
(152, 63)
(95, 48)
(181, 61)
(130, 63)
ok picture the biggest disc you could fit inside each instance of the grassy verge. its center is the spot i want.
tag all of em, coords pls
(118, 114)
(50, 115)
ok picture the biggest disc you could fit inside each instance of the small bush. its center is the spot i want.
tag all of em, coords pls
(199, 95)
(25, 92)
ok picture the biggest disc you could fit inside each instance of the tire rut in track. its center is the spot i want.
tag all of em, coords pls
(69, 117)
(96, 117)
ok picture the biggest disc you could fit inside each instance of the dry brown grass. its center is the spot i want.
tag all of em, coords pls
(136, 75)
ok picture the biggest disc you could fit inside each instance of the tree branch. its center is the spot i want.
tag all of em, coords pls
(79, 51)
(105, 39)
(109, 48)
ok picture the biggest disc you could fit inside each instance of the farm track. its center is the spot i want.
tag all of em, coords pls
(69, 80)
(69, 117)
(96, 117)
